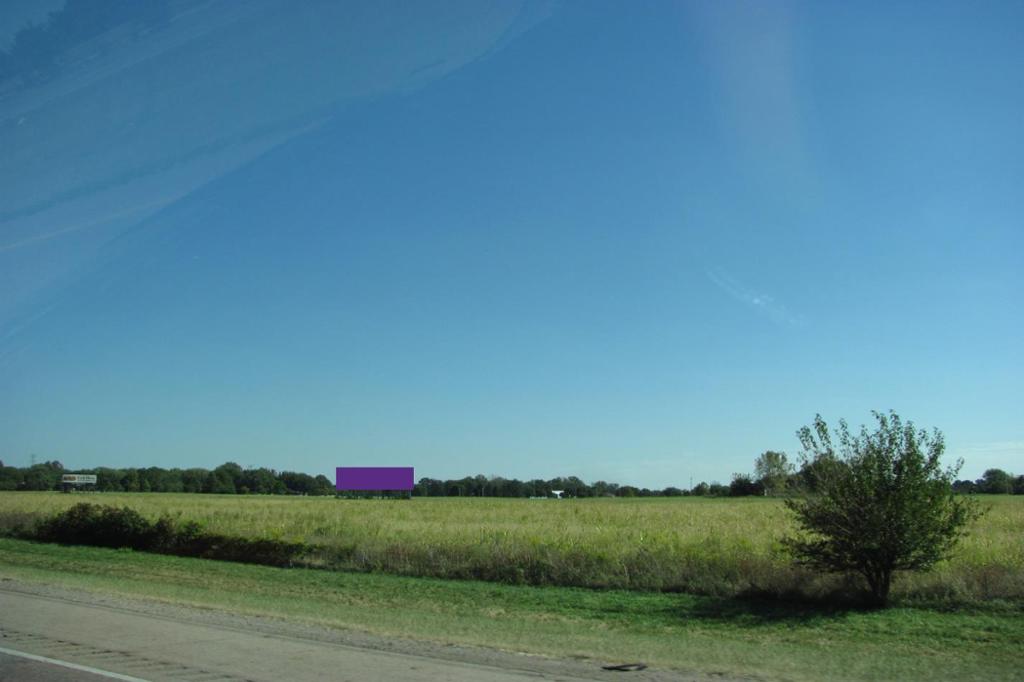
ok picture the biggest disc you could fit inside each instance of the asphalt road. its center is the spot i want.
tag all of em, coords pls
(113, 643)
(22, 669)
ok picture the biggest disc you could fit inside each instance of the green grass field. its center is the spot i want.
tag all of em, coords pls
(712, 635)
(696, 545)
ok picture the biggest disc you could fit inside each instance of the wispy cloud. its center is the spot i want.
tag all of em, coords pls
(977, 457)
(1002, 448)
(7, 346)
(129, 211)
(763, 303)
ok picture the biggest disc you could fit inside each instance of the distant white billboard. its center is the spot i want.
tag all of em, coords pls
(78, 479)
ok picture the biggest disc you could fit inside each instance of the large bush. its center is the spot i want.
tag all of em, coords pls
(91, 524)
(123, 527)
(883, 502)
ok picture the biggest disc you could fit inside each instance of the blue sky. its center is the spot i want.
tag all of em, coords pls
(639, 243)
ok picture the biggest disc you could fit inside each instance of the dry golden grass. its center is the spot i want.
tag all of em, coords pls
(712, 546)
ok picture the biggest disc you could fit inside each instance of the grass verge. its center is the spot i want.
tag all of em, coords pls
(701, 634)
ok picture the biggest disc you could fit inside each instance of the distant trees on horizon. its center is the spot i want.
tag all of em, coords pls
(992, 482)
(228, 478)
(773, 474)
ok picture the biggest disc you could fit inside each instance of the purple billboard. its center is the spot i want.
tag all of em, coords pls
(374, 478)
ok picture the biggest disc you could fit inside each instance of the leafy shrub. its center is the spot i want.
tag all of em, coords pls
(99, 526)
(92, 524)
(884, 503)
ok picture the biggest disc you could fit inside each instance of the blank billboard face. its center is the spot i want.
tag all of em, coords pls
(374, 478)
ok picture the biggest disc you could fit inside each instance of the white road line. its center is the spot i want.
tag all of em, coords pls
(73, 666)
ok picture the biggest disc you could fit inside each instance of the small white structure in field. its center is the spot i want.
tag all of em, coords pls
(557, 493)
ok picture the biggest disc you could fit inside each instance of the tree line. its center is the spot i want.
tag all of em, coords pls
(993, 482)
(773, 475)
(228, 478)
